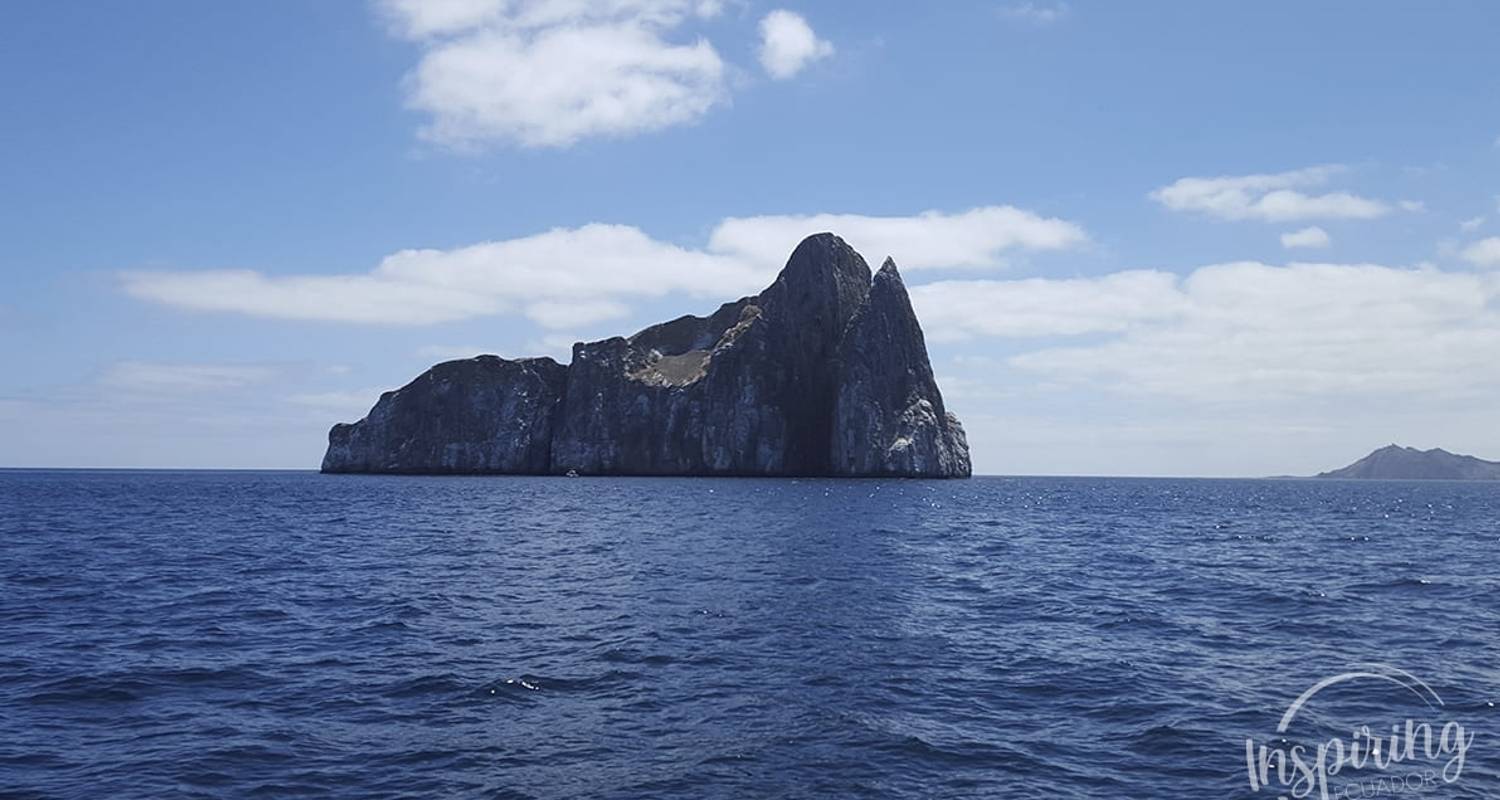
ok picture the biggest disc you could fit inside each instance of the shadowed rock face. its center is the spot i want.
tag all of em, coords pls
(479, 415)
(747, 391)
(889, 418)
(823, 373)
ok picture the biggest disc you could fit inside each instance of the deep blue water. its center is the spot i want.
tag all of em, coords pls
(291, 634)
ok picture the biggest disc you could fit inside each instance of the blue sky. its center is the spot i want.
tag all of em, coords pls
(229, 225)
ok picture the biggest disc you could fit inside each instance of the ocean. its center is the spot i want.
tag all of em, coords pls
(289, 634)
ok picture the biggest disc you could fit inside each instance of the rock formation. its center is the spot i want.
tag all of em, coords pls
(823, 373)
(484, 414)
(1394, 462)
(888, 415)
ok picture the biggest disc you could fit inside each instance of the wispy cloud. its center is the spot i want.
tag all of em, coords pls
(1312, 236)
(453, 352)
(571, 277)
(979, 238)
(1040, 14)
(147, 376)
(1274, 197)
(177, 414)
(343, 404)
(1244, 332)
(1045, 307)
(1483, 253)
(557, 345)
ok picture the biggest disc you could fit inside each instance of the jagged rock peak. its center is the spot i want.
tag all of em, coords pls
(823, 373)
(826, 254)
(823, 284)
(889, 417)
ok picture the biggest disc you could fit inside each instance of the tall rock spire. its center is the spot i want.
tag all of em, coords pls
(889, 417)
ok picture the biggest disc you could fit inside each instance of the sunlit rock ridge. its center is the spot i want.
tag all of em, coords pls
(825, 373)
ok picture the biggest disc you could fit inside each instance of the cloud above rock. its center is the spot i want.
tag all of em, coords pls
(552, 73)
(572, 277)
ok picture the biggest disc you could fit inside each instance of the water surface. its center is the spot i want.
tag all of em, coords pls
(292, 634)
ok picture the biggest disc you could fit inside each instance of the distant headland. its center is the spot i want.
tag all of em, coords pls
(824, 373)
(1394, 462)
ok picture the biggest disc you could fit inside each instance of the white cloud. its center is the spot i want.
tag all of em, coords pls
(557, 345)
(1307, 237)
(1484, 253)
(348, 404)
(583, 266)
(1040, 307)
(548, 73)
(1270, 198)
(788, 44)
(155, 377)
(370, 298)
(570, 277)
(1249, 333)
(977, 238)
(417, 19)
(453, 352)
(1040, 14)
(571, 314)
(1413, 206)
(421, 19)
(1471, 225)
(1232, 369)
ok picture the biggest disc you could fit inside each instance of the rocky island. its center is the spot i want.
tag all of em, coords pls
(824, 373)
(1394, 462)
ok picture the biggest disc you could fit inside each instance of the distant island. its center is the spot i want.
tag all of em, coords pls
(1394, 462)
(825, 373)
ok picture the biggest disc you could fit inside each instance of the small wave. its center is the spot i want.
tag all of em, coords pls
(632, 656)
(542, 685)
(87, 695)
(1406, 583)
(384, 626)
(423, 685)
(508, 689)
(1165, 739)
(140, 684)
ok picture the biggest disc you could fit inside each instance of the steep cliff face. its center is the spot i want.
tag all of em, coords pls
(889, 417)
(484, 414)
(822, 373)
(747, 391)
